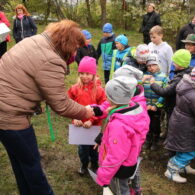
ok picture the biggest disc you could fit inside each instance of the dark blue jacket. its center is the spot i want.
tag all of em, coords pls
(23, 28)
(87, 50)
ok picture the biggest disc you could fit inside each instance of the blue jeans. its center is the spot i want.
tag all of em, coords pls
(182, 159)
(21, 146)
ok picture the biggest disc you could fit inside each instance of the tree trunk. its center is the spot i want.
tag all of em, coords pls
(24, 2)
(47, 12)
(144, 4)
(59, 12)
(89, 17)
(124, 8)
(103, 11)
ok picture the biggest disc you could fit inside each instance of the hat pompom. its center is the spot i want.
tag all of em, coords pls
(142, 53)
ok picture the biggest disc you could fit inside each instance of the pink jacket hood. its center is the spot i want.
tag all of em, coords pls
(122, 140)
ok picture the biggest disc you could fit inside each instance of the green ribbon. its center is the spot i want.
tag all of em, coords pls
(115, 109)
(50, 123)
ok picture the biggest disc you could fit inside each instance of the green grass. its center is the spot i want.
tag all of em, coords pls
(60, 160)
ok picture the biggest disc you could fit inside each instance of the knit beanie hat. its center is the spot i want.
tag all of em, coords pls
(122, 39)
(121, 89)
(192, 74)
(182, 58)
(87, 34)
(88, 64)
(152, 59)
(107, 28)
(142, 53)
(128, 71)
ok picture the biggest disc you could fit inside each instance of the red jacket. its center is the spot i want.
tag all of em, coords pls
(3, 19)
(83, 96)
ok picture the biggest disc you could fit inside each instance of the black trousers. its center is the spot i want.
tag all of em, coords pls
(106, 75)
(146, 37)
(87, 154)
(154, 132)
(21, 146)
(3, 48)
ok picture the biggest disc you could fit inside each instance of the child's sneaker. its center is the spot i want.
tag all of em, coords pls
(172, 173)
(135, 191)
(83, 171)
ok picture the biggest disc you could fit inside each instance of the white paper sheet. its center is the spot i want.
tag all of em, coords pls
(4, 30)
(83, 136)
(93, 175)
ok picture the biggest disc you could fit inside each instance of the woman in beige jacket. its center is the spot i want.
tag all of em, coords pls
(30, 72)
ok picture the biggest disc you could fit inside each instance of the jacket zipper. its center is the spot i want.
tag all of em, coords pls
(22, 34)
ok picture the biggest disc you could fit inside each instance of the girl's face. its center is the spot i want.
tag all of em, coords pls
(119, 46)
(20, 11)
(153, 68)
(86, 77)
(156, 38)
(190, 47)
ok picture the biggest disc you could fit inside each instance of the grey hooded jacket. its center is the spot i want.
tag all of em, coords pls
(181, 131)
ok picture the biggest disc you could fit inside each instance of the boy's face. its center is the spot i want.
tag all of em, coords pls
(190, 47)
(177, 67)
(106, 34)
(156, 38)
(153, 68)
(141, 62)
(119, 46)
(88, 41)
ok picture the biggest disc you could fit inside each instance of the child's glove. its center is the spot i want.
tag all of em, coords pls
(98, 139)
(97, 111)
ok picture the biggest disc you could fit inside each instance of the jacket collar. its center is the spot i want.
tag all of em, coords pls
(47, 37)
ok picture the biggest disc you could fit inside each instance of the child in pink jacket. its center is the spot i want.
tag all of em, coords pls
(124, 134)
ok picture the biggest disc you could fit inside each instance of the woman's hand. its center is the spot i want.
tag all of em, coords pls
(87, 124)
(90, 112)
(153, 108)
(77, 123)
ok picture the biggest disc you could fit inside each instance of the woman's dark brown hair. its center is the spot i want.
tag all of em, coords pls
(66, 37)
(20, 6)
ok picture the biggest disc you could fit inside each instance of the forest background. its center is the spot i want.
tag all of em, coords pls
(123, 14)
(59, 159)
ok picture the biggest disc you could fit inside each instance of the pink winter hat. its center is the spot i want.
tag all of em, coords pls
(88, 64)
